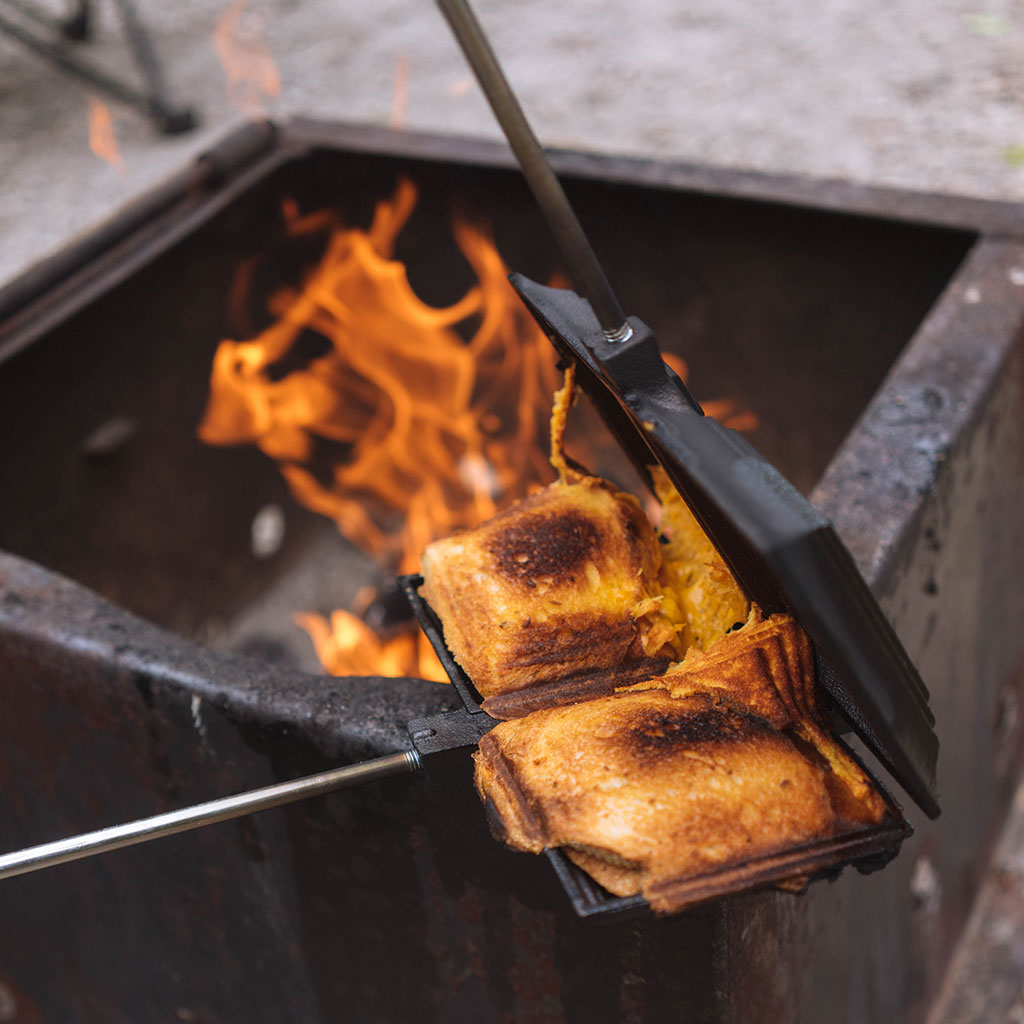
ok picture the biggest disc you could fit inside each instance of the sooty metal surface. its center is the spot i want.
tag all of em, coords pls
(382, 903)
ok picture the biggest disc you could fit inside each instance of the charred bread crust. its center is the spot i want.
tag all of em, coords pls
(523, 825)
(550, 589)
(651, 793)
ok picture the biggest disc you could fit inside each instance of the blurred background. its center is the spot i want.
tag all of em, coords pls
(915, 94)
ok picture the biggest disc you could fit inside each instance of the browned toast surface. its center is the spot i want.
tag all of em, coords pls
(554, 587)
(643, 788)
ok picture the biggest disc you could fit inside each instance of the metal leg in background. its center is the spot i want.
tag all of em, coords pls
(170, 119)
(77, 25)
(154, 102)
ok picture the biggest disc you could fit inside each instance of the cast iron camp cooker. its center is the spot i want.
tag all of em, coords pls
(783, 552)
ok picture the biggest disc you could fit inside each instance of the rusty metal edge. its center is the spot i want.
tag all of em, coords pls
(59, 286)
(48, 613)
(983, 216)
(964, 341)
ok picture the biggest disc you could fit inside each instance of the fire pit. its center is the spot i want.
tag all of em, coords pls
(875, 334)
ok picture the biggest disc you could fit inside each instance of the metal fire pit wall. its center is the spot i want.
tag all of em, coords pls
(879, 337)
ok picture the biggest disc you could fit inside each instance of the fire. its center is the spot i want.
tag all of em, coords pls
(440, 415)
(440, 412)
(252, 75)
(728, 411)
(347, 646)
(102, 140)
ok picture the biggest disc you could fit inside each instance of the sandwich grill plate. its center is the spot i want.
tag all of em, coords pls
(867, 848)
(783, 552)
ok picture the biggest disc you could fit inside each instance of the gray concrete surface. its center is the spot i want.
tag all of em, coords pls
(912, 93)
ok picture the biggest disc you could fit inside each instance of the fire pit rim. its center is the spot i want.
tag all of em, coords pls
(62, 283)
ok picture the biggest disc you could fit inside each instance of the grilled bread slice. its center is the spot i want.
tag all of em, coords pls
(563, 584)
(643, 789)
(767, 667)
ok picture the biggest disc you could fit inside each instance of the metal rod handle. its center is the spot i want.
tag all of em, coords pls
(584, 268)
(116, 836)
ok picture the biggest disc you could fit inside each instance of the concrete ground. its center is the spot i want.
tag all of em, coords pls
(911, 93)
(903, 92)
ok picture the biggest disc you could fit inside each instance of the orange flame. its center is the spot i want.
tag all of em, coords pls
(252, 75)
(727, 411)
(346, 646)
(102, 140)
(441, 412)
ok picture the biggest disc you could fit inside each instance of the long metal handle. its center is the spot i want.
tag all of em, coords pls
(583, 266)
(116, 836)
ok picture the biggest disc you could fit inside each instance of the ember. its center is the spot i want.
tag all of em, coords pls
(401, 94)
